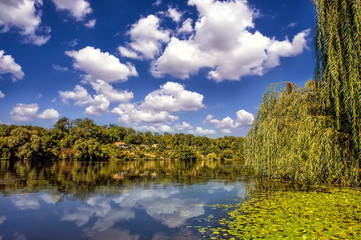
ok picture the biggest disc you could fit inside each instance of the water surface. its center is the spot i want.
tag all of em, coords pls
(116, 200)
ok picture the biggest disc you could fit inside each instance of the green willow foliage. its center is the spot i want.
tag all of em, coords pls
(338, 72)
(313, 134)
(291, 139)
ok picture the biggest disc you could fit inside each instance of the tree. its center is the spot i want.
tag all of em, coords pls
(185, 153)
(338, 68)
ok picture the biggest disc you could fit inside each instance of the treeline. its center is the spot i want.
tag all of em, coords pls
(313, 134)
(82, 139)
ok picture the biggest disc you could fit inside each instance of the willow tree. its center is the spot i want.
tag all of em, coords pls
(313, 134)
(338, 69)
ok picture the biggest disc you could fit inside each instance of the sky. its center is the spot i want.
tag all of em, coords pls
(190, 66)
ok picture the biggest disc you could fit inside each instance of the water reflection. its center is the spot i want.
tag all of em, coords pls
(77, 200)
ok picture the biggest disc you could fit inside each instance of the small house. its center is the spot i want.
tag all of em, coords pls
(121, 144)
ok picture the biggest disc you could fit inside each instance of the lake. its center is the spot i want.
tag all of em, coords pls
(117, 200)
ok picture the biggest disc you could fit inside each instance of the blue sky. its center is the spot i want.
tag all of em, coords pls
(192, 66)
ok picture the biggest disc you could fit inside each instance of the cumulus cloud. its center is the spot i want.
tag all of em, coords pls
(24, 112)
(2, 95)
(222, 40)
(174, 14)
(173, 97)
(147, 37)
(131, 114)
(227, 124)
(158, 129)
(186, 26)
(24, 16)
(102, 87)
(181, 53)
(100, 208)
(99, 65)
(201, 131)
(9, 66)
(80, 96)
(125, 52)
(183, 127)
(91, 23)
(77, 8)
(49, 114)
(98, 103)
(157, 106)
(162, 206)
(24, 202)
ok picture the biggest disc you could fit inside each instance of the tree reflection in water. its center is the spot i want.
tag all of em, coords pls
(107, 200)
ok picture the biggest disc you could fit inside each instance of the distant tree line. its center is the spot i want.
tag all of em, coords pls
(82, 139)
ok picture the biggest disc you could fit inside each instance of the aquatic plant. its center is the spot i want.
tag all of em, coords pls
(325, 214)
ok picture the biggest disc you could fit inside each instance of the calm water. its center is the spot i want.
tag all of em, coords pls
(116, 200)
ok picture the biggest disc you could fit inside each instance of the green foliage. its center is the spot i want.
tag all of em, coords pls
(314, 134)
(185, 153)
(338, 69)
(82, 139)
(292, 138)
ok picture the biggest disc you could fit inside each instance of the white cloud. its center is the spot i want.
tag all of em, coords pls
(9, 66)
(91, 23)
(183, 127)
(125, 52)
(157, 129)
(162, 206)
(186, 26)
(77, 8)
(24, 202)
(222, 40)
(79, 95)
(24, 112)
(60, 68)
(2, 95)
(244, 118)
(131, 114)
(174, 14)
(201, 131)
(23, 16)
(227, 124)
(49, 114)
(113, 95)
(173, 97)
(157, 105)
(99, 105)
(147, 37)
(157, 3)
(181, 53)
(99, 65)
(173, 212)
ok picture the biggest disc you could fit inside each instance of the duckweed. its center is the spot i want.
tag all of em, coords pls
(331, 214)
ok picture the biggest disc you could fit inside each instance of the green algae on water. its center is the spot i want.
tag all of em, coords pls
(332, 214)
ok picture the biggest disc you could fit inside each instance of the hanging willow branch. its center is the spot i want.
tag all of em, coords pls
(338, 72)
